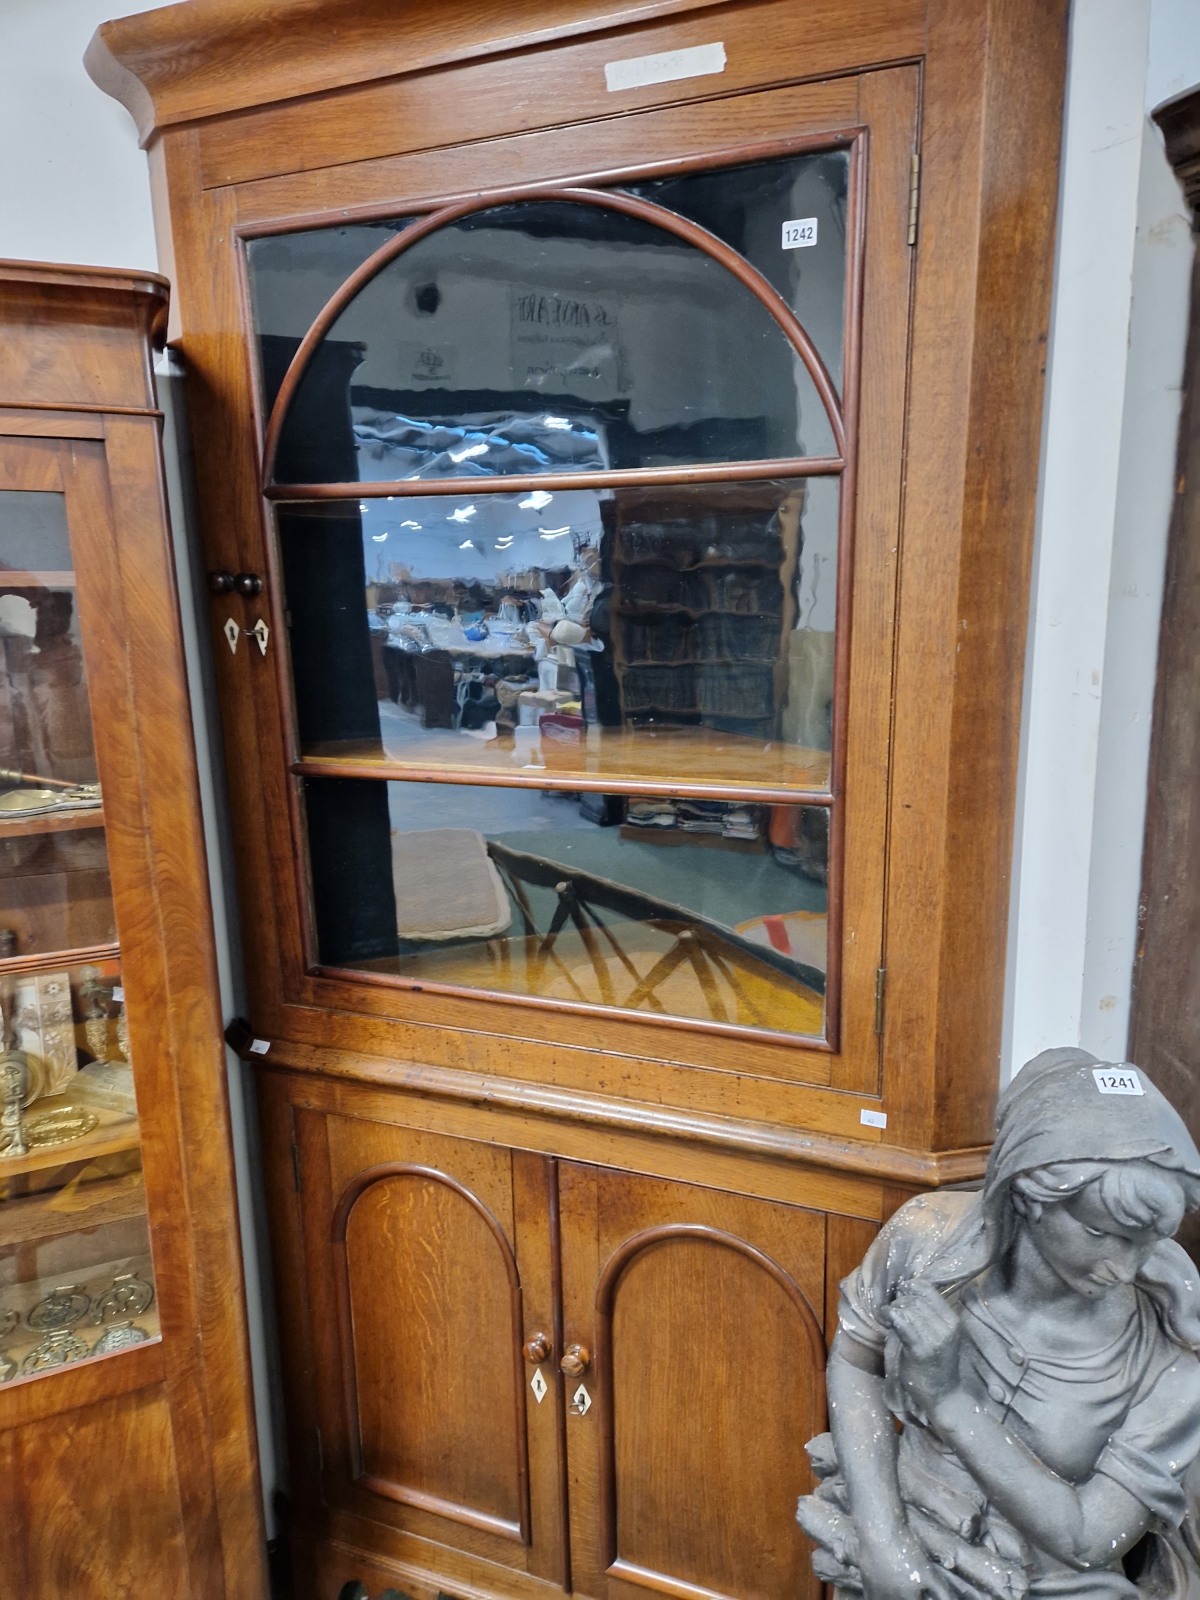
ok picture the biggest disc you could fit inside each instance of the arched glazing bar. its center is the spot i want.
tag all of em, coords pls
(646, 211)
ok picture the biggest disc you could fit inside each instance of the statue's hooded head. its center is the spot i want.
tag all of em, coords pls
(1126, 1159)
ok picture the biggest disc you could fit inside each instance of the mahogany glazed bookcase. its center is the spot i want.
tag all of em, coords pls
(617, 430)
(127, 1446)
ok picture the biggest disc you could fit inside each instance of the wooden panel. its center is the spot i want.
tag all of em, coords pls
(62, 1529)
(708, 1378)
(430, 1301)
(764, 43)
(47, 424)
(991, 128)
(847, 1240)
(418, 1346)
(666, 135)
(44, 358)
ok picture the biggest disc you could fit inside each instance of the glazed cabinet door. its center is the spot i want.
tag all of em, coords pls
(429, 1277)
(693, 1320)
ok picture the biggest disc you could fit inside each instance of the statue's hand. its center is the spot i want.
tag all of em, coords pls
(930, 1334)
(897, 1568)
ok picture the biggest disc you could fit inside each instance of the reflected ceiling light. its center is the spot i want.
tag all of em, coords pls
(464, 455)
(362, 505)
(410, 524)
(503, 544)
(557, 422)
(554, 533)
(379, 537)
(467, 544)
(536, 500)
(462, 513)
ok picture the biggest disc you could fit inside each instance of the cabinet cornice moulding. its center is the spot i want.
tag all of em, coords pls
(206, 58)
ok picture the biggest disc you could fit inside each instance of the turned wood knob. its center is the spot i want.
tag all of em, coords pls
(221, 582)
(249, 584)
(575, 1362)
(537, 1348)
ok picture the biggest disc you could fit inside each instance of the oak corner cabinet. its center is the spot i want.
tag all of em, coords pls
(617, 432)
(127, 1448)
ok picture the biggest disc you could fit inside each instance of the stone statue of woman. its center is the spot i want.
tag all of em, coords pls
(1014, 1389)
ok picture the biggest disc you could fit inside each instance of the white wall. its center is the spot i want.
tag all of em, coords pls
(1112, 404)
(74, 187)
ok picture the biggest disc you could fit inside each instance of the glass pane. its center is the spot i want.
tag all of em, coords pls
(292, 275)
(75, 1273)
(788, 218)
(546, 337)
(681, 634)
(56, 891)
(706, 909)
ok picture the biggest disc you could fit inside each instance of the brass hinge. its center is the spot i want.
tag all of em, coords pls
(880, 990)
(914, 196)
(296, 1167)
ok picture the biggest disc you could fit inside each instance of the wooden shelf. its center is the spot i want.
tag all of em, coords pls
(39, 961)
(15, 826)
(699, 762)
(114, 1134)
(31, 1218)
(11, 578)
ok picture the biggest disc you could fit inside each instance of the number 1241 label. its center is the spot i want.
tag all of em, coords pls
(1117, 1080)
(800, 233)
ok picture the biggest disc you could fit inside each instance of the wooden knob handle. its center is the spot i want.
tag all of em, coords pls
(575, 1362)
(537, 1348)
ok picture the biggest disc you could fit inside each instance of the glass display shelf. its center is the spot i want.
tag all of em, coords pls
(710, 910)
(76, 1276)
(683, 636)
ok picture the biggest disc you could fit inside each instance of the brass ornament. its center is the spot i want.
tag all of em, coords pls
(61, 1308)
(120, 1336)
(59, 1127)
(55, 1350)
(127, 1296)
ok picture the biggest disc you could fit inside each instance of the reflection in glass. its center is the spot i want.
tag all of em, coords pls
(56, 892)
(749, 206)
(548, 336)
(706, 909)
(75, 1273)
(681, 633)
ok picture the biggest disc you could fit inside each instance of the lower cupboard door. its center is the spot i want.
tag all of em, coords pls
(429, 1269)
(694, 1320)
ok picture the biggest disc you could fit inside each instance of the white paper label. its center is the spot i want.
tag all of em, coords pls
(873, 1119)
(119, 996)
(259, 1047)
(669, 66)
(1117, 1080)
(800, 233)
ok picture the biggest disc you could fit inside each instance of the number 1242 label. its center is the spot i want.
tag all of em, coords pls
(800, 233)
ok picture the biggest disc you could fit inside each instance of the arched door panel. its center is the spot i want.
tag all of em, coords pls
(428, 1255)
(705, 1382)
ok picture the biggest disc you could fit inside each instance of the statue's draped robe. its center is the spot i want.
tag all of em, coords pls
(1130, 1411)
